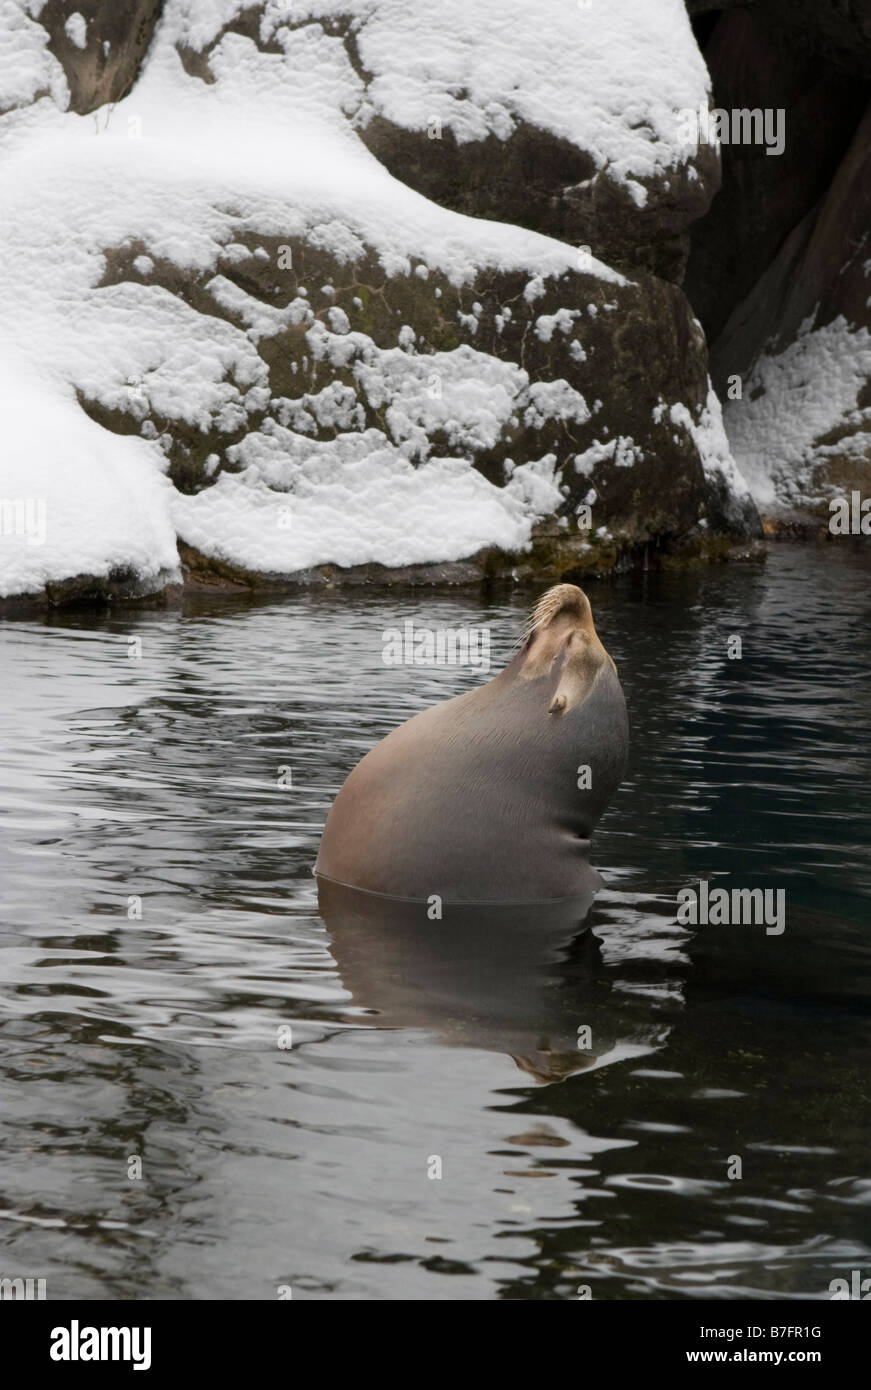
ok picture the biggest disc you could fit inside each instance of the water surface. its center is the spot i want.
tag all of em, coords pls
(161, 813)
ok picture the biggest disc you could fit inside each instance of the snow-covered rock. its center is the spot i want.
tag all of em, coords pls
(314, 364)
(562, 115)
(802, 430)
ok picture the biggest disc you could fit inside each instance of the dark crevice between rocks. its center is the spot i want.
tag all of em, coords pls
(814, 61)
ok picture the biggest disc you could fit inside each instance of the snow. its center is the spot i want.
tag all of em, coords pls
(547, 324)
(714, 446)
(790, 402)
(26, 65)
(76, 30)
(622, 451)
(347, 508)
(97, 501)
(554, 400)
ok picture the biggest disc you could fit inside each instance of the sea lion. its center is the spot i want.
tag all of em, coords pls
(491, 797)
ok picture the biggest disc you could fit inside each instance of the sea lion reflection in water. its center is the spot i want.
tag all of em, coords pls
(454, 867)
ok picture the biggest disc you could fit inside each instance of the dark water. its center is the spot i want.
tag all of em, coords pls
(264, 1166)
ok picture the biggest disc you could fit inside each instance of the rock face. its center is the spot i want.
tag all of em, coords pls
(98, 48)
(550, 186)
(763, 197)
(328, 375)
(777, 271)
(336, 349)
(506, 370)
(834, 31)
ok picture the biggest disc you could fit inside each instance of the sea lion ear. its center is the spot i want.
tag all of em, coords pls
(557, 704)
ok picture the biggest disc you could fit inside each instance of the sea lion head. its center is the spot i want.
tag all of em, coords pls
(562, 645)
